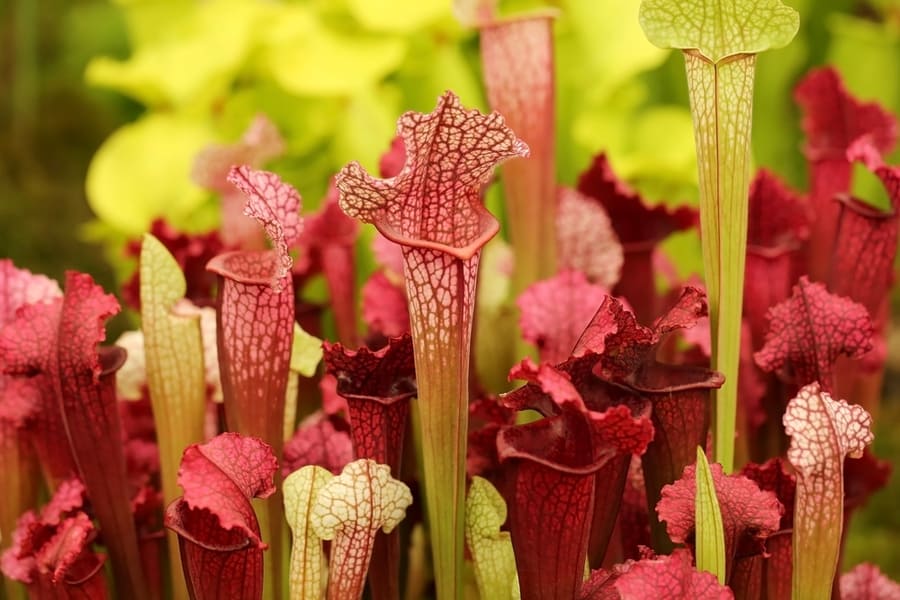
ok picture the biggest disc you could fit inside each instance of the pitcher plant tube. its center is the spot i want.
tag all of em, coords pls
(433, 209)
(720, 42)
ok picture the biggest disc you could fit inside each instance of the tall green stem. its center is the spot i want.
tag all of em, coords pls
(720, 41)
(722, 106)
(441, 318)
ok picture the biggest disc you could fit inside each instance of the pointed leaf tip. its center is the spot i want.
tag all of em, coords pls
(718, 30)
(710, 537)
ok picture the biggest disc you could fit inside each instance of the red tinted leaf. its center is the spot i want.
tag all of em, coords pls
(322, 440)
(552, 467)
(810, 330)
(51, 552)
(777, 216)
(555, 312)
(31, 404)
(433, 209)
(863, 476)
(450, 155)
(867, 582)
(670, 578)
(221, 547)
(377, 386)
(486, 417)
(866, 240)
(517, 56)
(639, 228)
(833, 119)
(634, 221)
(192, 252)
(772, 476)
(601, 584)
(823, 431)
(223, 474)
(331, 235)
(260, 143)
(628, 347)
(60, 340)
(276, 205)
(746, 510)
(679, 394)
(384, 306)
(253, 314)
(19, 287)
(778, 223)
(586, 239)
(391, 162)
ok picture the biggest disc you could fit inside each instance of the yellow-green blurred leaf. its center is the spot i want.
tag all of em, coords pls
(143, 171)
(397, 15)
(369, 124)
(306, 352)
(195, 66)
(492, 550)
(308, 57)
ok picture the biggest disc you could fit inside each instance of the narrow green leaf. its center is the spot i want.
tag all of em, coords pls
(176, 377)
(710, 535)
(307, 572)
(720, 42)
(492, 551)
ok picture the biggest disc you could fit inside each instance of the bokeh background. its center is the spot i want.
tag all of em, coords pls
(105, 104)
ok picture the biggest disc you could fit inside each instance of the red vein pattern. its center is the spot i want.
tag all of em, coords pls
(810, 330)
(832, 121)
(679, 394)
(550, 473)
(60, 340)
(276, 206)
(823, 431)
(586, 239)
(517, 56)
(670, 578)
(639, 228)
(747, 511)
(554, 312)
(378, 387)
(219, 536)
(433, 209)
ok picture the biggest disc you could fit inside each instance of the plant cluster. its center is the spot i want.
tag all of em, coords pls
(692, 440)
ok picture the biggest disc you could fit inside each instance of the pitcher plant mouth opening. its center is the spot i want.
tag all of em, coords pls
(551, 318)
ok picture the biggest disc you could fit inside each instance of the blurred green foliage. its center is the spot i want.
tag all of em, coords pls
(169, 77)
